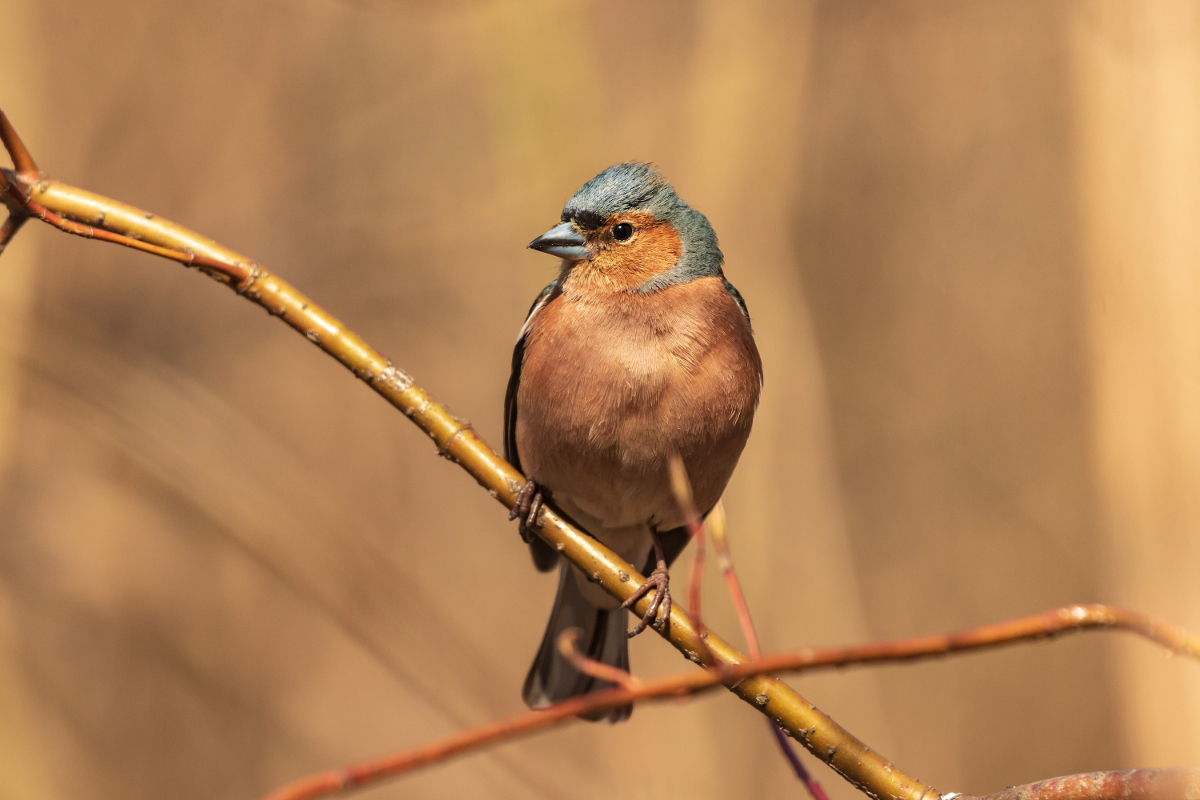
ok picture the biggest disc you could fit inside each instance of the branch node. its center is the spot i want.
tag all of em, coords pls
(444, 448)
(243, 286)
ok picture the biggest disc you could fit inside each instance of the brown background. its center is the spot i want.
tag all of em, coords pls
(968, 235)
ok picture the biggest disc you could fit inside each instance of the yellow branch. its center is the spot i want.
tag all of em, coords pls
(455, 439)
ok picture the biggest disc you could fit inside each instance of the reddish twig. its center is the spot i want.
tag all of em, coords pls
(22, 206)
(568, 646)
(814, 787)
(24, 168)
(11, 225)
(341, 780)
(716, 526)
(237, 274)
(1048, 625)
(681, 487)
(1133, 784)
(17, 151)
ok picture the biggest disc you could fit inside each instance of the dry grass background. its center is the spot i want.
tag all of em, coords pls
(967, 234)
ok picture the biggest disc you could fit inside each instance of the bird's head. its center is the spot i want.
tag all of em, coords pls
(627, 230)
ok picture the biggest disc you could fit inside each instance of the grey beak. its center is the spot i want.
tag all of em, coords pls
(563, 241)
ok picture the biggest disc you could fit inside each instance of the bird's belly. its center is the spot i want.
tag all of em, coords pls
(598, 425)
(611, 471)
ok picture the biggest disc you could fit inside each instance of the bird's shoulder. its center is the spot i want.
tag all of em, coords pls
(551, 292)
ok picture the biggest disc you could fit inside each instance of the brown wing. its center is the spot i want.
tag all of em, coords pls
(544, 556)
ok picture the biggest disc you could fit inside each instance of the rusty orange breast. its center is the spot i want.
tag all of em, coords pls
(614, 383)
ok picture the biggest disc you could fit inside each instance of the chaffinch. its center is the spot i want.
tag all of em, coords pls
(638, 350)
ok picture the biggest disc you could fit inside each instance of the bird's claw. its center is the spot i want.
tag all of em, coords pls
(526, 508)
(660, 606)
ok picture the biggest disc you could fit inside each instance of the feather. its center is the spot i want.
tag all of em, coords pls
(544, 557)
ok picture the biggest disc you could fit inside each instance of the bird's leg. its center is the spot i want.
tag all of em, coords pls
(527, 506)
(659, 612)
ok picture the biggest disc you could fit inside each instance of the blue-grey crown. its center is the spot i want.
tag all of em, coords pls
(635, 186)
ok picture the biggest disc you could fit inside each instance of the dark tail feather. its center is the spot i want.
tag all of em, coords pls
(552, 678)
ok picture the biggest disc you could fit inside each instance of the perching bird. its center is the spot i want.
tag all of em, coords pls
(638, 350)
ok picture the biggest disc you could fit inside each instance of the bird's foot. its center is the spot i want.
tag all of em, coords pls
(526, 508)
(660, 607)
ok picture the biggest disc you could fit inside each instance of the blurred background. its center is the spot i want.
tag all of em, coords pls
(967, 234)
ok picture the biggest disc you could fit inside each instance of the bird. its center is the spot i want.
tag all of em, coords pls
(639, 351)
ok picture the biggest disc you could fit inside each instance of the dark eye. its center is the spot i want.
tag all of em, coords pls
(622, 232)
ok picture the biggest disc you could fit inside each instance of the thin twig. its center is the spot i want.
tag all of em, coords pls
(1134, 784)
(568, 646)
(716, 526)
(1050, 624)
(1047, 625)
(236, 273)
(24, 167)
(12, 224)
(681, 487)
(17, 151)
(338, 781)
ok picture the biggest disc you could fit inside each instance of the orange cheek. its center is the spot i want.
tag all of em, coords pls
(657, 247)
(619, 267)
